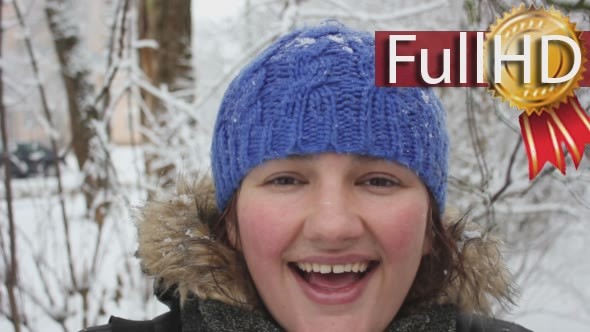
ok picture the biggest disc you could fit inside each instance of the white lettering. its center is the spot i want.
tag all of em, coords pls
(446, 72)
(479, 57)
(394, 58)
(544, 61)
(499, 58)
(462, 57)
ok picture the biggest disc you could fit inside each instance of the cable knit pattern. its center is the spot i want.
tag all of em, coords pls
(313, 91)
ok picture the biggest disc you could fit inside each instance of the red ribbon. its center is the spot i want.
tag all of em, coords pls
(544, 135)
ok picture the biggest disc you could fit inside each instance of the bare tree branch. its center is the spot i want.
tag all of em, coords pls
(12, 268)
(48, 116)
(508, 179)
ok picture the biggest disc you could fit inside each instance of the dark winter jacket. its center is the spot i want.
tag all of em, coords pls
(213, 316)
(206, 290)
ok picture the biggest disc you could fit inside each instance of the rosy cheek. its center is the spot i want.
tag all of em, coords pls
(261, 230)
(403, 230)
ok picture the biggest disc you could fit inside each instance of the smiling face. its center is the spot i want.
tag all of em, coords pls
(332, 241)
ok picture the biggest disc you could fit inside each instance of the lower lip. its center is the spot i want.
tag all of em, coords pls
(343, 295)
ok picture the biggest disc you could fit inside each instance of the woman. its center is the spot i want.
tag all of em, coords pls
(325, 209)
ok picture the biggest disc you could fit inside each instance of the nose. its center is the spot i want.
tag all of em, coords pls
(333, 222)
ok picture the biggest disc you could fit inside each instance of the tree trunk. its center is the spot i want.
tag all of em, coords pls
(79, 88)
(169, 65)
(11, 270)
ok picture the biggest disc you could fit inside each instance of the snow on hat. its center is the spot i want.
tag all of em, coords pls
(313, 91)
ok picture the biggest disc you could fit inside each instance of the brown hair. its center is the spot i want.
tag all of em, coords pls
(219, 230)
(441, 265)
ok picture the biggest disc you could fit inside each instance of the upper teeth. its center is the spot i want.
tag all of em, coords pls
(339, 268)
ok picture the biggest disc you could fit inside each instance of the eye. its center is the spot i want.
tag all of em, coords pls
(381, 182)
(284, 180)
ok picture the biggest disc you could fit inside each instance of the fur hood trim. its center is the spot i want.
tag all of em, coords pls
(175, 245)
(177, 248)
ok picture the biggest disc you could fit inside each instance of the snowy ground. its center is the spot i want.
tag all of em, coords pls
(555, 299)
(43, 261)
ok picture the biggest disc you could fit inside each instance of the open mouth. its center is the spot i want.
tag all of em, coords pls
(333, 278)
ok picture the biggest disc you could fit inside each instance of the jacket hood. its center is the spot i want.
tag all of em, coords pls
(176, 247)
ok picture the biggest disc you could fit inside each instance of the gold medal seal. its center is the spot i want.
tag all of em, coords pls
(539, 78)
(534, 22)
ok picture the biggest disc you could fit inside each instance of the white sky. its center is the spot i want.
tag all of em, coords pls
(216, 9)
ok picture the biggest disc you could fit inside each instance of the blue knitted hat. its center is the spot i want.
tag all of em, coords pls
(313, 91)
